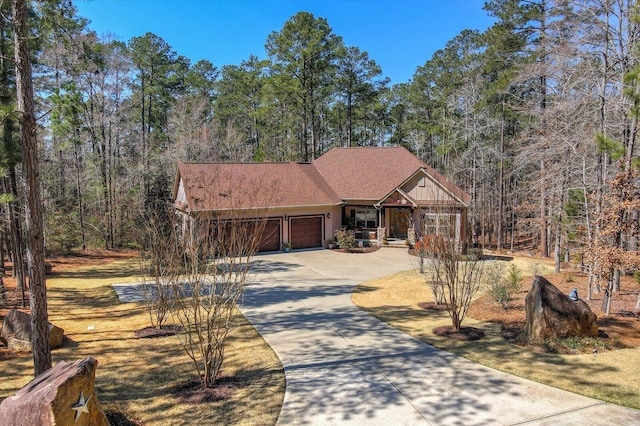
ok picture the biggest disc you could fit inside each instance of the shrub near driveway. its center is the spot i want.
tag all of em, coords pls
(141, 377)
(611, 376)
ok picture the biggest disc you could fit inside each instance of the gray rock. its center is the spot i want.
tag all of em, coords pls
(551, 313)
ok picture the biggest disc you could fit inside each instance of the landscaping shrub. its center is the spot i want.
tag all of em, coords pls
(346, 239)
(536, 268)
(474, 253)
(501, 285)
(570, 345)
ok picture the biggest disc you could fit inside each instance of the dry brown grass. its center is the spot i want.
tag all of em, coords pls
(139, 377)
(611, 376)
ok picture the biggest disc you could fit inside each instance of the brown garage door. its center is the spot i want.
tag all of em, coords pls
(306, 232)
(270, 240)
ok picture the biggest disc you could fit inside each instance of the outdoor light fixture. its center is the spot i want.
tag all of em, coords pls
(286, 218)
(329, 215)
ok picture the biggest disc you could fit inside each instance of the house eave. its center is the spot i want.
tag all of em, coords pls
(268, 208)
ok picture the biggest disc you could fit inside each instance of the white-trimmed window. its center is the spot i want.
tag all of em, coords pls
(366, 218)
(439, 224)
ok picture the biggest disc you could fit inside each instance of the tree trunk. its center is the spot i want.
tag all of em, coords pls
(544, 244)
(2, 238)
(500, 232)
(544, 230)
(33, 217)
(83, 232)
(15, 229)
(2, 290)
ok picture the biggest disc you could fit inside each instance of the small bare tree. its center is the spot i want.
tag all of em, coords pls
(459, 276)
(424, 248)
(161, 264)
(200, 261)
(216, 259)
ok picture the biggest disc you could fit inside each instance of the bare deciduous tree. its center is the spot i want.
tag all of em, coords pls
(160, 263)
(216, 261)
(203, 259)
(461, 277)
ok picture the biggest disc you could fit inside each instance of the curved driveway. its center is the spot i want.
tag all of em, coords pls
(345, 367)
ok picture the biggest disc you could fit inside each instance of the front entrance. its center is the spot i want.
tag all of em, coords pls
(399, 220)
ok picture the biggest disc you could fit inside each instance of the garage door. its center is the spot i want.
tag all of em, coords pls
(270, 240)
(306, 232)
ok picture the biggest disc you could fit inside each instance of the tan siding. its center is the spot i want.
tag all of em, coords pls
(181, 196)
(430, 191)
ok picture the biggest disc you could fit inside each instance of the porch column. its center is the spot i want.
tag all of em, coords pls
(458, 223)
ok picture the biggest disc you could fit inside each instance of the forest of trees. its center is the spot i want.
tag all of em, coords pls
(532, 117)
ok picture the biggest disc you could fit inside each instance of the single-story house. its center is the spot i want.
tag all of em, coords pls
(382, 193)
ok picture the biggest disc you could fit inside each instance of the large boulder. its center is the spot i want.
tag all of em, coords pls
(16, 331)
(63, 396)
(551, 313)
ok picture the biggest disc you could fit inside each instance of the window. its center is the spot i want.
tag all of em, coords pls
(429, 224)
(439, 224)
(366, 218)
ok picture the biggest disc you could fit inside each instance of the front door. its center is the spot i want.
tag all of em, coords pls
(399, 223)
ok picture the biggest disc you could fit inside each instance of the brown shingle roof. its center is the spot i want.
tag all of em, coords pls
(367, 173)
(223, 186)
(364, 173)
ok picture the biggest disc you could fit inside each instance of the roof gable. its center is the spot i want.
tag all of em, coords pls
(433, 189)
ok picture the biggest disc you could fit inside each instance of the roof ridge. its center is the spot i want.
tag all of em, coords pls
(367, 147)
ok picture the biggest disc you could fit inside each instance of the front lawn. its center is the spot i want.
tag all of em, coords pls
(145, 380)
(608, 375)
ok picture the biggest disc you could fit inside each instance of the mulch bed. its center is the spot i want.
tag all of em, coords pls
(433, 306)
(464, 334)
(358, 249)
(194, 392)
(622, 326)
(153, 332)
(120, 418)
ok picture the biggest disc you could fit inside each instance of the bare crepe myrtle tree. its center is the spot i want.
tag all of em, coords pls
(453, 277)
(460, 277)
(160, 263)
(216, 262)
(424, 248)
(205, 264)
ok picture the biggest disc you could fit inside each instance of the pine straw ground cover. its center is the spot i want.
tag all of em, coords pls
(607, 371)
(145, 381)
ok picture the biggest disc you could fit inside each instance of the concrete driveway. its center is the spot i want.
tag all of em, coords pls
(345, 367)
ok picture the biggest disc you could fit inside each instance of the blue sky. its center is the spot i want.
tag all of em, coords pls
(399, 35)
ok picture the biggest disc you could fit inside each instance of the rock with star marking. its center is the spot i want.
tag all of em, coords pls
(57, 397)
(81, 406)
